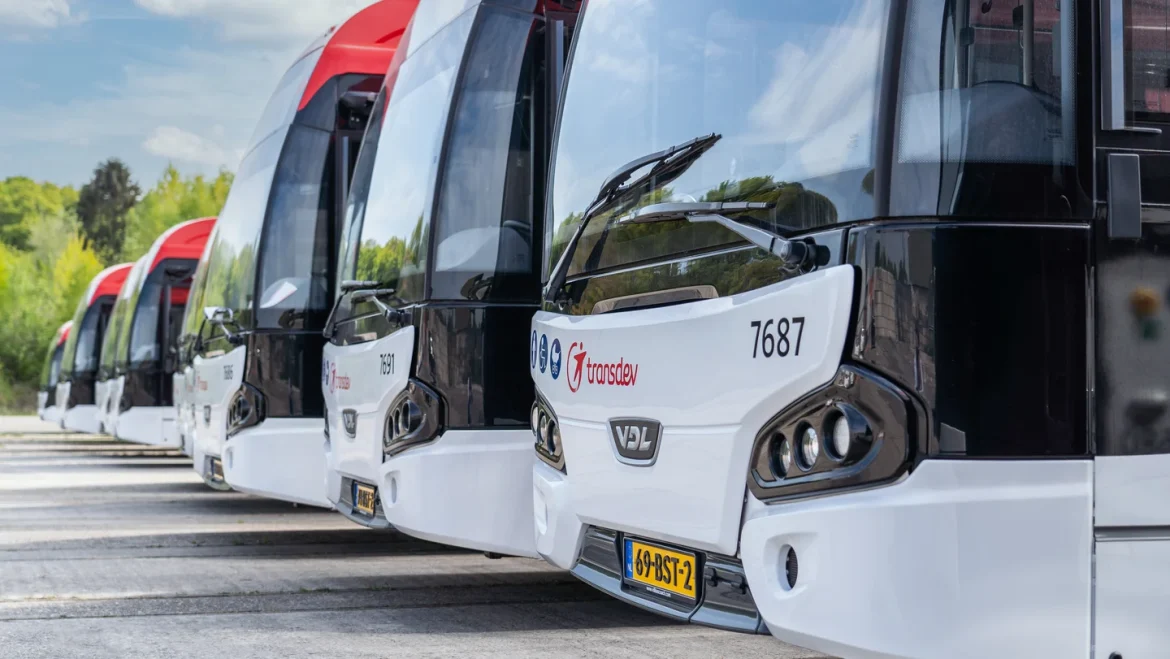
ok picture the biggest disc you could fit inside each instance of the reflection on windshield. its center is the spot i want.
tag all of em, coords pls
(387, 221)
(792, 87)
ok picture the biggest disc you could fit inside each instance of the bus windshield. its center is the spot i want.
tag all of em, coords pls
(793, 95)
(124, 312)
(483, 183)
(387, 227)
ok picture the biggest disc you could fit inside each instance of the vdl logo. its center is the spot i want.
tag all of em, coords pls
(635, 441)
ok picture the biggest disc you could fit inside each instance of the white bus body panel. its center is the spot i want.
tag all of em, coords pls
(1133, 555)
(101, 397)
(963, 559)
(154, 426)
(696, 375)
(42, 399)
(279, 459)
(222, 376)
(82, 418)
(117, 385)
(352, 378)
(62, 398)
(468, 488)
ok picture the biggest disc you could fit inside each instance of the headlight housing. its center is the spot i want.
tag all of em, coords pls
(246, 409)
(413, 419)
(546, 429)
(858, 430)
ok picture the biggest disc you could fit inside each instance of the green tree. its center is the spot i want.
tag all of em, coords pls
(103, 205)
(172, 200)
(23, 205)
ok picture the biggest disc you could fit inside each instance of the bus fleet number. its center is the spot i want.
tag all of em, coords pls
(780, 337)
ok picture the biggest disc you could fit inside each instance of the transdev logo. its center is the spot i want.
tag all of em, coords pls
(583, 370)
(337, 381)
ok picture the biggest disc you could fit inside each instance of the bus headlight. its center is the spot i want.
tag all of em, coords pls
(857, 430)
(546, 430)
(842, 437)
(810, 448)
(245, 410)
(413, 418)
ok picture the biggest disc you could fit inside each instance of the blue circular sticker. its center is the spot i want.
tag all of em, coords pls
(532, 351)
(554, 366)
(543, 352)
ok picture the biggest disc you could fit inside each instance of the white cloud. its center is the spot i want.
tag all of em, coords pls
(176, 144)
(35, 13)
(260, 20)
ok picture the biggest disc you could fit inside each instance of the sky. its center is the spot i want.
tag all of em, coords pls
(150, 82)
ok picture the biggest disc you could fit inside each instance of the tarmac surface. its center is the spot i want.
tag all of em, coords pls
(109, 549)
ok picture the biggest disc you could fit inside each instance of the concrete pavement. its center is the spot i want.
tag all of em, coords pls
(110, 549)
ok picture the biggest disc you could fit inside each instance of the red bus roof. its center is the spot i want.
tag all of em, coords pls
(108, 281)
(363, 44)
(182, 241)
(63, 332)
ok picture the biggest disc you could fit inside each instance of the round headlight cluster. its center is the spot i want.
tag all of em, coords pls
(546, 430)
(838, 432)
(403, 419)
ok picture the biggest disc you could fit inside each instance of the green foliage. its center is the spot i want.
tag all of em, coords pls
(102, 207)
(49, 253)
(173, 199)
(24, 203)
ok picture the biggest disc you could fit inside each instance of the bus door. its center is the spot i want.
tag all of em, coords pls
(1131, 382)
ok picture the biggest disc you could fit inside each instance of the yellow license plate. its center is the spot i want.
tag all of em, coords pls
(216, 469)
(664, 571)
(364, 497)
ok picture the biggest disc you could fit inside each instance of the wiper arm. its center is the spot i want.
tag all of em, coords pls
(360, 291)
(669, 164)
(795, 255)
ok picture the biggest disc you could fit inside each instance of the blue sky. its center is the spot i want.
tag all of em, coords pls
(147, 81)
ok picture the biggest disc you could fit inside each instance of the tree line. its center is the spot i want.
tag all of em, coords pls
(54, 239)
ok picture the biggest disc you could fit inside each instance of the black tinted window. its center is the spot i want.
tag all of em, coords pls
(986, 126)
(483, 245)
(1147, 59)
(294, 277)
(791, 88)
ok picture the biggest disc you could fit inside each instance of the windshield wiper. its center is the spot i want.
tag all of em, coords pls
(669, 164)
(794, 254)
(360, 291)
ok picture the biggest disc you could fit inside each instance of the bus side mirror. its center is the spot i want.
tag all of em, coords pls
(217, 315)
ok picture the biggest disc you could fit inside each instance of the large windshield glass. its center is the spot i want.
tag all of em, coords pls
(143, 346)
(487, 201)
(986, 122)
(52, 367)
(387, 227)
(231, 271)
(124, 310)
(193, 313)
(790, 88)
(294, 269)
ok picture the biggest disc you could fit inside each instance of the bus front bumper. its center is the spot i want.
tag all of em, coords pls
(154, 426)
(81, 418)
(279, 459)
(958, 559)
(468, 488)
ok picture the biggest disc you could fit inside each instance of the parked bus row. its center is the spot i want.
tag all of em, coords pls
(844, 321)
